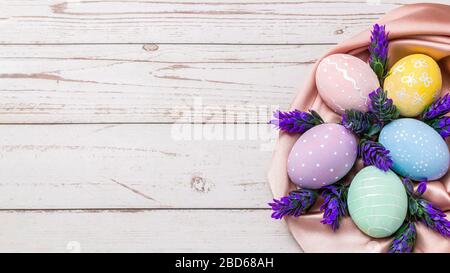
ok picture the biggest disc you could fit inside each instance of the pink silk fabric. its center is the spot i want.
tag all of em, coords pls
(417, 28)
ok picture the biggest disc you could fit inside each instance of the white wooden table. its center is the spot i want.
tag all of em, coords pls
(113, 135)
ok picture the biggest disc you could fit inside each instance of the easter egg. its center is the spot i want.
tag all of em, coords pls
(417, 150)
(344, 82)
(322, 156)
(414, 82)
(377, 202)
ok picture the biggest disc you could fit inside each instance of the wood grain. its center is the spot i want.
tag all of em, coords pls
(122, 120)
(134, 166)
(188, 21)
(149, 83)
(144, 231)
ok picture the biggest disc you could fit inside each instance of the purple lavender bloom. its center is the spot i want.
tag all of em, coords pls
(438, 108)
(378, 49)
(433, 217)
(441, 125)
(373, 153)
(404, 239)
(296, 121)
(334, 205)
(298, 202)
(408, 185)
(421, 188)
(381, 108)
(356, 121)
(424, 211)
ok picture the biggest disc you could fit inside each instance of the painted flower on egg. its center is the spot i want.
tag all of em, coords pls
(322, 156)
(414, 82)
(344, 82)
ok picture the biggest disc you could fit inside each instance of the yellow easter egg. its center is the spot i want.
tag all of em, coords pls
(413, 83)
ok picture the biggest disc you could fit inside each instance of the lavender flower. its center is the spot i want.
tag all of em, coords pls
(422, 188)
(432, 217)
(441, 125)
(335, 204)
(296, 121)
(408, 185)
(437, 109)
(381, 108)
(295, 204)
(373, 153)
(378, 50)
(404, 239)
(424, 211)
(356, 121)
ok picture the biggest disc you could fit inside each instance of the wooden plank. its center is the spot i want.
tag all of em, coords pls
(149, 83)
(188, 21)
(134, 166)
(146, 231)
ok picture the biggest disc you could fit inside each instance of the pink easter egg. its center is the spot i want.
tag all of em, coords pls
(344, 82)
(322, 156)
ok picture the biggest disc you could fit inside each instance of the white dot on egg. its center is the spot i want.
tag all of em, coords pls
(326, 136)
(321, 145)
(303, 164)
(331, 170)
(310, 152)
(340, 142)
(335, 153)
(314, 179)
(346, 165)
(346, 154)
(293, 170)
(304, 141)
(314, 135)
(337, 177)
(317, 165)
(296, 154)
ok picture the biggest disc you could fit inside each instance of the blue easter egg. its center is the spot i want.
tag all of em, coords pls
(417, 150)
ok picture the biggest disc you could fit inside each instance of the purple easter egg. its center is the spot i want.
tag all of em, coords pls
(322, 156)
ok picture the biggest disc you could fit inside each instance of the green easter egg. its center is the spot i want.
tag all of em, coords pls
(377, 202)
